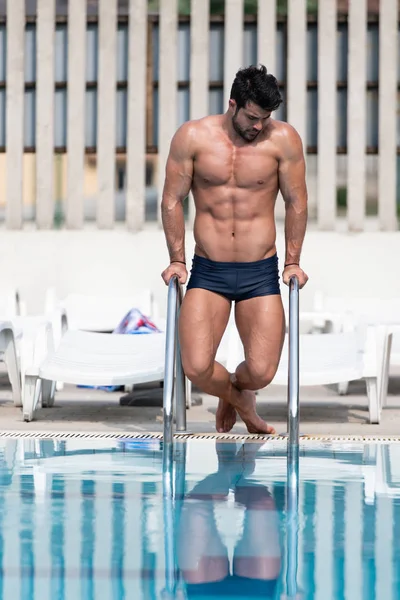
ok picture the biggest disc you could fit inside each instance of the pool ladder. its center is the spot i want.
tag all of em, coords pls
(174, 377)
(174, 466)
(175, 381)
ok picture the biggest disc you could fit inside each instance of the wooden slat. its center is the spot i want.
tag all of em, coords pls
(150, 85)
(296, 95)
(136, 142)
(167, 91)
(326, 182)
(388, 56)
(199, 67)
(266, 34)
(45, 114)
(15, 111)
(199, 58)
(106, 117)
(296, 67)
(356, 114)
(76, 112)
(233, 44)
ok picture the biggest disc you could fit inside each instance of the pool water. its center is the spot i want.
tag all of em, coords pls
(93, 519)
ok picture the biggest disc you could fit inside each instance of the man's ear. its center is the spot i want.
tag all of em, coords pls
(232, 104)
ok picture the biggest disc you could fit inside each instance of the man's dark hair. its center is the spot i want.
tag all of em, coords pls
(255, 84)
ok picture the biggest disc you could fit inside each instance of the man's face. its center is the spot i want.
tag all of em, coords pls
(249, 121)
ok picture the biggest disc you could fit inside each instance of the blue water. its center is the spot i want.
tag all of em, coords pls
(92, 520)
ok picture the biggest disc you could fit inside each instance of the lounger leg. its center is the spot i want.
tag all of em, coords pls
(60, 326)
(373, 399)
(343, 388)
(188, 393)
(48, 391)
(32, 392)
(50, 403)
(10, 359)
(387, 347)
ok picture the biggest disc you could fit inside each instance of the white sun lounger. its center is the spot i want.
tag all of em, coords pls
(8, 355)
(100, 313)
(24, 340)
(332, 358)
(334, 313)
(86, 358)
(10, 305)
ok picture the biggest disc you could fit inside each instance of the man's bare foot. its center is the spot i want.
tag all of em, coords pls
(225, 417)
(247, 411)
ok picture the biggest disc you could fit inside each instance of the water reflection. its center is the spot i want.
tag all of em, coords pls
(89, 523)
(203, 558)
(292, 522)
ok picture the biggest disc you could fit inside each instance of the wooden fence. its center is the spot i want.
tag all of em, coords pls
(140, 50)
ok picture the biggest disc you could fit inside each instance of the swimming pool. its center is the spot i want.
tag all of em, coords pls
(90, 519)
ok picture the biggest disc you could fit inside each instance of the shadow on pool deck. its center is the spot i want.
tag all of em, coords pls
(323, 411)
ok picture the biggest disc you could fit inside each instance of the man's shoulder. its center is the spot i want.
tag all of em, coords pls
(283, 130)
(286, 139)
(205, 124)
(210, 121)
(196, 131)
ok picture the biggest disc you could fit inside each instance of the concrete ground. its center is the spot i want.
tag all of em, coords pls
(323, 412)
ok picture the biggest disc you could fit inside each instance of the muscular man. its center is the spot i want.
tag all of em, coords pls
(235, 164)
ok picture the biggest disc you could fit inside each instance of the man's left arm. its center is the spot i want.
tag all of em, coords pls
(292, 183)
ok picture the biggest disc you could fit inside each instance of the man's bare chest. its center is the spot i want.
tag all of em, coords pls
(242, 167)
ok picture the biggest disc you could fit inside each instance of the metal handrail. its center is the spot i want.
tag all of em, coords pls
(174, 376)
(292, 521)
(293, 374)
(292, 488)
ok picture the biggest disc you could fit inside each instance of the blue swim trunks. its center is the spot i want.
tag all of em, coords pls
(236, 281)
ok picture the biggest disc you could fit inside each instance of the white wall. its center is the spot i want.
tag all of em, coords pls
(117, 261)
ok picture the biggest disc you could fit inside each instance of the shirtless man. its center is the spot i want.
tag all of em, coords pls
(235, 164)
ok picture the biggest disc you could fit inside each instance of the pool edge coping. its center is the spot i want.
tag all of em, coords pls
(121, 435)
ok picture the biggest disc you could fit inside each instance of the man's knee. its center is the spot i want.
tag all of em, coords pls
(197, 369)
(261, 375)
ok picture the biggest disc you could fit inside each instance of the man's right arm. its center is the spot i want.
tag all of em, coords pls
(178, 181)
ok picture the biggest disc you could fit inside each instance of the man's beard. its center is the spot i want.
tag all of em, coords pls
(244, 134)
